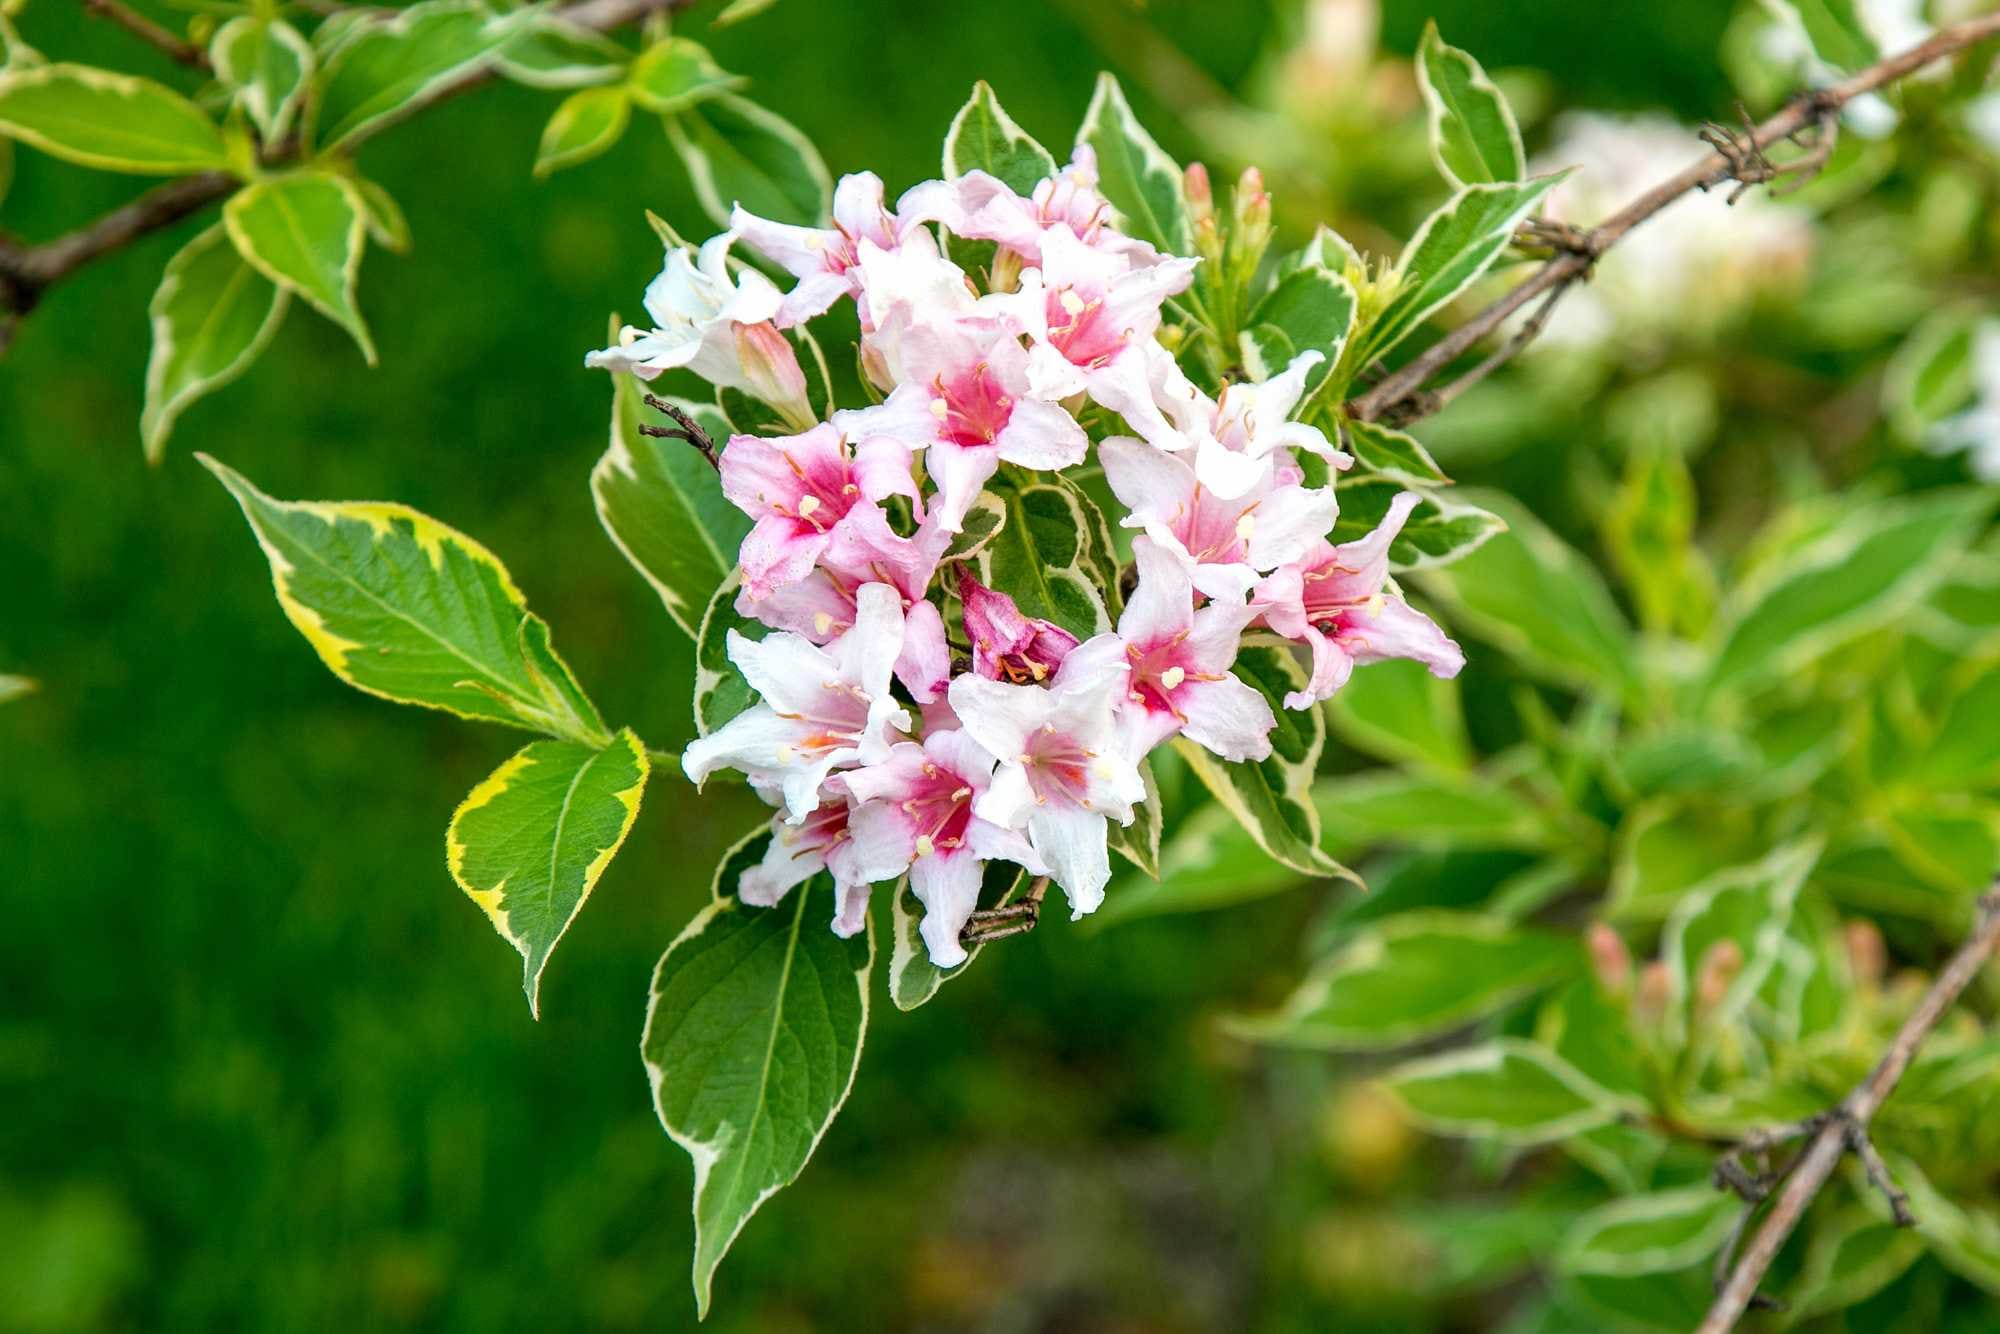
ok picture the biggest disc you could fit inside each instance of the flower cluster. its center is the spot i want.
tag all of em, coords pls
(913, 720)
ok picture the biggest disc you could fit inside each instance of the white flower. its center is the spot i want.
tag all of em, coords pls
(697, 306)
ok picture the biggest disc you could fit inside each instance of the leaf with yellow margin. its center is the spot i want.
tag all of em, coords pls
(400, 606)
(529, 843)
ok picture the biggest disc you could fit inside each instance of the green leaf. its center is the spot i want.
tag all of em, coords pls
(113, 122)
(1592, 1030)
(267, 65)
(1965, 1236)
(587, 124)
(1662, 850)
(1437, 531)
(1750, 906)
(1390, 454)
(1314, 308)
(386, 222)
(529, 843)
(1266, 350)
(736, 152)
(1271, 797)
(720, 690)
(400, 606)
(390, 67)
(1850, 1258)
(982, 523)
(1139, 842)
(1413, 977)
(306, 232)
(913, 978)
(1453, 248)
(1397, 711)
(554, 53)
(1650, 1234)
(1436, 810)
(1473, 136)
(1870, 570)
(675, 73)
(983, 137)
(1966, 751)
(753, 1035)
(212, 315)
(1468, 879)
(663, 506)
(1210, 861)
(1042, 556)
(1838, 33)
(1510, 1090)
(1931, 377)
(738, 10)
(1533, 595)
(1134, 173)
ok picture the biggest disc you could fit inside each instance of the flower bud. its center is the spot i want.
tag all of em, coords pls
(772, 372)
(1252, 207)
(1201, 213)
(1719, 969)
(1649, 1002)
(1007, 646)
(1609, 958)
(1867, 956)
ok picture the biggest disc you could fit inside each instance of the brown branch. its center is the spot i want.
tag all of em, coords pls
(1814, 108)
(1009, 919)
(1845, 1128)
(27, 272)
(149, 32)
(684, 428)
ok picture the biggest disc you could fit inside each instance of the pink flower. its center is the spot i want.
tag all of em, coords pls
(799, 851)
(1180, 658)
(981, 206)
(916, 813)
(820, 709)
(1224, 543)
(865, 550)
(824, 259)
(1063, 766)
(1336, 600)
(1007, 646)
(801, 489)
(1239, 436)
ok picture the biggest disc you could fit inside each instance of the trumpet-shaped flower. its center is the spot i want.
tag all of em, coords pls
(916, 813)
(801, 490)
(824, 259)
(1007, 645)
(698, 308)
(821, 707)
(1180, 679)
(1225, 543)
(1237, 437)
(797, 852)
(1336, 601)
(1064, 768)
(983, 207)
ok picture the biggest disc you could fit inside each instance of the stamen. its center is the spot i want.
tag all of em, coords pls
(1071, 302)
(1172, 678)
(822, 623)
(924, 845)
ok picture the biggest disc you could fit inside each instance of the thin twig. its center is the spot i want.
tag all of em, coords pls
(1426, 402)
(1845, 1128)
(1814, 108)
(1009, 919)
(684, 428)
(149, 32)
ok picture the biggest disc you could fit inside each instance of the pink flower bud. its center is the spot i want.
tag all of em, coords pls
(772, 371)
(1609, 958)
(1252, 204)
(1867, 957)
(1649, 1004)
(1719, 969)
(1007, 646)
(1201, 213)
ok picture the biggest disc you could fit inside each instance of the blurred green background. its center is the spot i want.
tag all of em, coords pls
(261, 1065)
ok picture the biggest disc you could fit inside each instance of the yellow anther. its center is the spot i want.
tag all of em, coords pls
(1071, 302)
(822, 622)
(1245, 526)
(924, 845)
(807, 506)
(1172, 677)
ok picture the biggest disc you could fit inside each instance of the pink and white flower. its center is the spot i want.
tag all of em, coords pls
(1007, 645)
(821, 708)
(1225, 543)
(824, 259)
(984, 208)
(797, 852)
(1337, 601)
(1237, 437)
(801, 490)
(1180, 679)
(917, 813)
(1064, 768)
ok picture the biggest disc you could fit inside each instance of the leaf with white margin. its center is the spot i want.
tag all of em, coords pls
(983, 137)
(386, 223)
(212, 315)
(1139, 842)
(1315, 309)
(1414, 976)
(1135, 173)
(1964, 1236)
(1439, 531)
(753, 1034)
(1473, 134)
(737, 152)
(1272, 797)
(113, 122)
(720, 690)
(268, 65)
(306, 231)
(913, 978)
(555, 53)
(398, 605)
(1749, 906)
(529, 843)
(383, 69)
(1650, 1234)
(1043, 556)
(663, 506)
(1851, 1257)
(1389, 453)
(587, 124)
(1510, 1090)
(674, 74)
